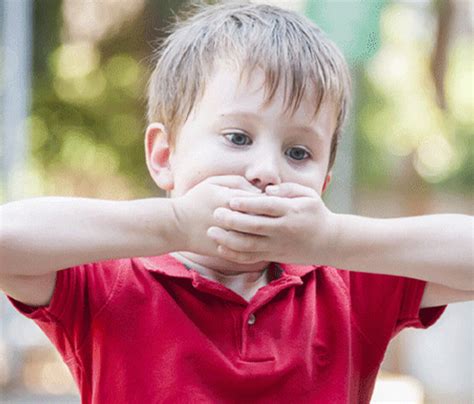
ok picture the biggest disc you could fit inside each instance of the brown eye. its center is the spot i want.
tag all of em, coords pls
(238, 139)
(297, 153)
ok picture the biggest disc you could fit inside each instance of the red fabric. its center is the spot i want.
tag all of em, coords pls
(149, 330)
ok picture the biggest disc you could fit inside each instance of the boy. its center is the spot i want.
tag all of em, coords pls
(239, 291)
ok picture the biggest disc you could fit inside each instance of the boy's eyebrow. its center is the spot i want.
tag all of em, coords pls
(303, 129)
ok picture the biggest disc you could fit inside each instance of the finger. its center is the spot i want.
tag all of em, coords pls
(266, 205)
(235, 193)
(233, 181)
(237, 241)
(239, 257)
(232, 220)
(290, 190)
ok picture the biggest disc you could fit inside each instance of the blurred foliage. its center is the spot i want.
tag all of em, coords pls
(88, 110)
(398, 117)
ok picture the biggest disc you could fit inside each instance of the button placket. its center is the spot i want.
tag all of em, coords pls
(251, 319)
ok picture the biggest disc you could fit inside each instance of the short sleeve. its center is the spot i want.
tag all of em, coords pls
(411, 315)
(80, 293)
(383, 305)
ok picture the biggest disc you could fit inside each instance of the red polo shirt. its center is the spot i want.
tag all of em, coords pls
(150, 330)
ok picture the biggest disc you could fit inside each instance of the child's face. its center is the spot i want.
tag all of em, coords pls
(231, 133)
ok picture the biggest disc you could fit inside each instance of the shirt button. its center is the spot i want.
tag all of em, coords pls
(251, 320)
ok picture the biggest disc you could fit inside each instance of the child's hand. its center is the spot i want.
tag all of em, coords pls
(194, 211)
(292, 225)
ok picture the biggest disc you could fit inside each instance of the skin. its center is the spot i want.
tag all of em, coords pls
(231, 132)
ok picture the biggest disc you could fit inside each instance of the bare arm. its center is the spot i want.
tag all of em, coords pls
(436, 248)
(41, 236)
(46, 234)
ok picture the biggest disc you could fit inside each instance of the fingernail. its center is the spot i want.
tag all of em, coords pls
(213, 232)
(272, 189)
(218, 214)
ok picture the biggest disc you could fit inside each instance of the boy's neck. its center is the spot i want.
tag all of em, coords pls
(241, 278)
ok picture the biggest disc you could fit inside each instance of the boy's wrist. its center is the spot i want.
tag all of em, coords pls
(333, 238)
(152, 220)
(173, 233)
(177, 234)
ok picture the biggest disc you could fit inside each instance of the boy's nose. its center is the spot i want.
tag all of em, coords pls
(263, 173)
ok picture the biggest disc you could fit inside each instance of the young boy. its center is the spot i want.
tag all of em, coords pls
(243, 286)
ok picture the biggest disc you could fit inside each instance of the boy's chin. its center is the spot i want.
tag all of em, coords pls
(221, 264)
(257, 266)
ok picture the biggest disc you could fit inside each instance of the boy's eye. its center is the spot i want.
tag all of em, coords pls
(238, 138)
(297, 153)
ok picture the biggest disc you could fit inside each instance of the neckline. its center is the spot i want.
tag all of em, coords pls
(273, 270)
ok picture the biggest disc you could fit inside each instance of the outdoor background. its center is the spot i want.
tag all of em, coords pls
(72, 80)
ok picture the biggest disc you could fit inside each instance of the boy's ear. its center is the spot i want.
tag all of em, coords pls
(157, 152)
(327, 181)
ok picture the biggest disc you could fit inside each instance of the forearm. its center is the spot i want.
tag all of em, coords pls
(435, 248)
(46, 234)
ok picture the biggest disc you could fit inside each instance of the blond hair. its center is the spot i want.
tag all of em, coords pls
(289, 48)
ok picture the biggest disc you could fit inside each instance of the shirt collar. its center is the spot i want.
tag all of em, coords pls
(168, 265)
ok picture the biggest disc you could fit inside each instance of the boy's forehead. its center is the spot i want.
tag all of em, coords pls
(231, 91)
